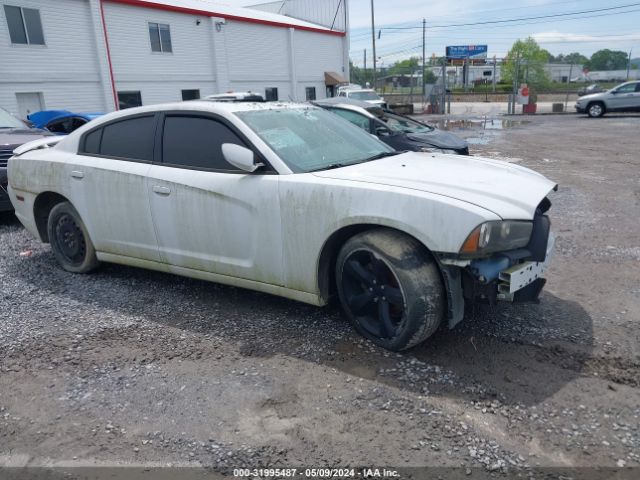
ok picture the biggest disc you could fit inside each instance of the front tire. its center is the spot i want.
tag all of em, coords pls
(390, 288)
(596, 109)
(70, 240)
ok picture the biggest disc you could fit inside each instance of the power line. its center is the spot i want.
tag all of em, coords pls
(489, 22)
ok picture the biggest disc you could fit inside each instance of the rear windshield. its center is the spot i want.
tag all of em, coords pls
(364, 95)
(9, 121)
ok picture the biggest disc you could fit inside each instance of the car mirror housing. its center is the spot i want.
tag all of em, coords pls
(240, 157)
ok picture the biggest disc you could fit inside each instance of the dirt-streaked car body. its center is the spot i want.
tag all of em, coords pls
(290, 200)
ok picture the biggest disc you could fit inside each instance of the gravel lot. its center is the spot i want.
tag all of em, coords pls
(129, 367)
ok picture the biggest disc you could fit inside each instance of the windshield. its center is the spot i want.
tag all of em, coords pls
(9, 121)
(313, 139)
(405, 125)
(364, 95)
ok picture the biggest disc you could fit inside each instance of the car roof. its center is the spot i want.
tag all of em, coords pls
(47, 116)
(353, 108)
(360, 90)
(204, 106)
(334, 101)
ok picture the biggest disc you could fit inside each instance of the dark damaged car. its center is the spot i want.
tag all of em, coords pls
(13, 133)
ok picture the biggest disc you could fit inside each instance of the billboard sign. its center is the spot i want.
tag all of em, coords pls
(462, 52)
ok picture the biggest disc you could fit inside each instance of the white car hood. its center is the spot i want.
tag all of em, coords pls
(510, 191)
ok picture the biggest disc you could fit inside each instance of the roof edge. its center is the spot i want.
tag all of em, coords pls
(195, 11)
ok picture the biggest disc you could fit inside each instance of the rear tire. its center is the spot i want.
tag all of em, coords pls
(70, 240)
(390, 288)
(596, 109)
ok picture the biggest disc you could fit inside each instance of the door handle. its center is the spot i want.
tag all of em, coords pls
(77, 174)
(160, 190)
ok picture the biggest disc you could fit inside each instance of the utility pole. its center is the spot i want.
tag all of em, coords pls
(566, 99)
(629, 64)
(365, 66)
(373, 39)
(424, 44)
(494, 73)
(444, 85)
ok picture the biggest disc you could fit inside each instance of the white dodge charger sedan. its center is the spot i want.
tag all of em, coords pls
(290, 200)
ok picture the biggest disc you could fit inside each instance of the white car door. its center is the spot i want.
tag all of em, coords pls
(208, 215)
(109, 183)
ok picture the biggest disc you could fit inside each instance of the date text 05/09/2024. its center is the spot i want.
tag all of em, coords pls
(316, 472)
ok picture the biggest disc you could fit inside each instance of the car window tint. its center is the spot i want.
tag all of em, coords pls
(92, 141)
(131, 138)
(629, 88)
(638, 87)
(196, 142)
(355, 118)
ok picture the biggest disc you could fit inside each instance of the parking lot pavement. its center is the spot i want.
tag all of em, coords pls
(126, 366)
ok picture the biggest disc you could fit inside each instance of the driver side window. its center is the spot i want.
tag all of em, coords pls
(196, 142)
(631, 88)
(355, 118)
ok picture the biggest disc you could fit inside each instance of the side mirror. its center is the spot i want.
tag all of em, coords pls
(240, 157)
(383, 132)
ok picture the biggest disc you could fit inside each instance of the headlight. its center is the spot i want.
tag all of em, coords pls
(497, 236)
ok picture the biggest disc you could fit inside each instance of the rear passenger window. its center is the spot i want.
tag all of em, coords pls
(92, 142)
(132, 138)
(197, 142)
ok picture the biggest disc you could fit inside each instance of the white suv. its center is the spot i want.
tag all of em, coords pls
(364, 95)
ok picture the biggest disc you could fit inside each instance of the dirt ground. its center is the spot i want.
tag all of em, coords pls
(129, 367)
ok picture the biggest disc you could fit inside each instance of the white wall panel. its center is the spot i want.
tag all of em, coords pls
(130, 45)
(256, 52)
(65, 65)
(321, 12)
(163, 91)
(317, 53)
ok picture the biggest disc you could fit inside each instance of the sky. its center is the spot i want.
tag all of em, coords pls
(569, 31)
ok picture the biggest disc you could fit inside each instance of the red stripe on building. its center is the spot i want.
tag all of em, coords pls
(106, 41)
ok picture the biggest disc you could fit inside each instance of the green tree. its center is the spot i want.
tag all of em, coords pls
(575, 58)
(526, 61)
(608, 60)
(429, 77)
(409, 65)
(550, 58)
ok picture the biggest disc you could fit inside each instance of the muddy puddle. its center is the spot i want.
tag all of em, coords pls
(484, 127)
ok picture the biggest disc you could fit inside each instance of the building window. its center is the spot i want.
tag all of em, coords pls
(311, 93)
(129, 99)
(271, 94)
(160, 37)
(24, 25)
(190, 94)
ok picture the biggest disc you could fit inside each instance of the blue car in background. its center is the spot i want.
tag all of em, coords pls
(60, 122)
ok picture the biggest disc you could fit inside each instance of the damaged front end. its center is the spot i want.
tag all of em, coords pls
(485, 273)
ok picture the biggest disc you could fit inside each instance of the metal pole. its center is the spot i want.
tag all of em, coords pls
(629, 64)
(566, 100)
(424, 43)
(444, 84)
(494, 73)
(373, 39)
(365, 66)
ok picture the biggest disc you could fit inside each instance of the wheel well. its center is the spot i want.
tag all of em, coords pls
(330, 251)
(604, 107)
(42, 206)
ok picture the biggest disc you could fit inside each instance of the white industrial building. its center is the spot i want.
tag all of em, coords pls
(99, 55)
